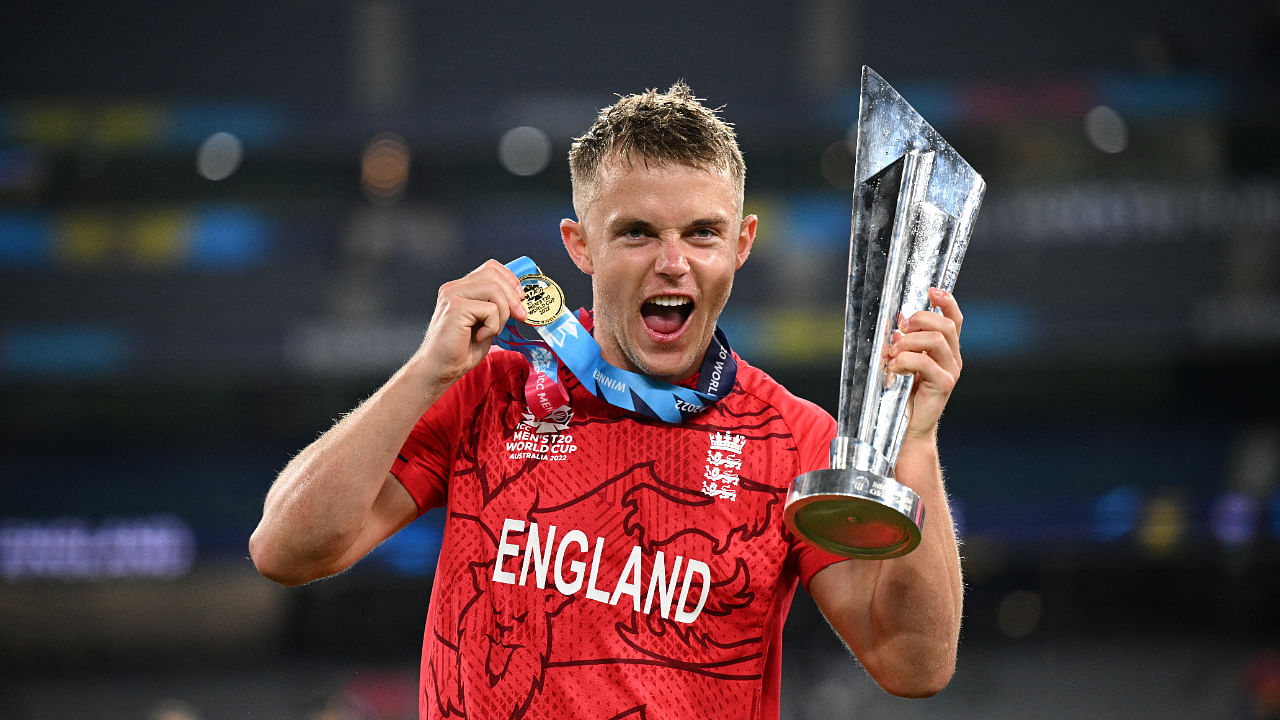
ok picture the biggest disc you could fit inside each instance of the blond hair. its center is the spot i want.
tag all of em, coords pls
(670, 127)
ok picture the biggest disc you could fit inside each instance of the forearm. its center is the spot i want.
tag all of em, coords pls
(321, 502)
(918, 599)
(901, 617)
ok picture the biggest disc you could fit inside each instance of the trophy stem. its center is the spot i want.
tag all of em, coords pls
(883, 248)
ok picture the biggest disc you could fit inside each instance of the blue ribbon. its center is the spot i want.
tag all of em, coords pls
(568, 342)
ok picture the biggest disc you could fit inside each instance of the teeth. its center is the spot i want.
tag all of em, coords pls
(669, 300)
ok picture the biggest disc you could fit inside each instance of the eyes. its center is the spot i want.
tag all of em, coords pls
(698, 233)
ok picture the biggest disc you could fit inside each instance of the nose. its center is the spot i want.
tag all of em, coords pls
(671, 260)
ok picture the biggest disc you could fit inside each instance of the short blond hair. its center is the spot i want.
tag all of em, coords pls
(669, 127)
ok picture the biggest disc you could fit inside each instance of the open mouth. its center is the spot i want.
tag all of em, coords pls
(666, 314)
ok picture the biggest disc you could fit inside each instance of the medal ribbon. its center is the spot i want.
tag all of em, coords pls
(566, 340)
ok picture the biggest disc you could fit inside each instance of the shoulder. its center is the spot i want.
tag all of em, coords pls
(500, 360)
(757, 383)
(810, 427)
(499, 366)
(500, 371)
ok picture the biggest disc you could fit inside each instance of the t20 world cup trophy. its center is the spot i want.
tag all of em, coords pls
(914, 203)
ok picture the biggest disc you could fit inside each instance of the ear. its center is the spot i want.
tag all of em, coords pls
(746, 238)
(575, 242)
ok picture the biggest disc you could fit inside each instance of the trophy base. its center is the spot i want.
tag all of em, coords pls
(855, 514)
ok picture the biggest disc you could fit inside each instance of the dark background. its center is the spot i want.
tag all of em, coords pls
(175, 322)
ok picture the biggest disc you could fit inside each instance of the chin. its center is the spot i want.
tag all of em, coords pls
(670, 369)
(672, 360)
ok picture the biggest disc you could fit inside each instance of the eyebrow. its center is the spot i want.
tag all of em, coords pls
(717, 220)
(635, 222)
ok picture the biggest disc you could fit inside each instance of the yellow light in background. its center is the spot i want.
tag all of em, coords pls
(63, 125)
(158, 238)
(56, 125)
(804, 335)
(768, 208)
(837, 165)
(128, 126)
(1162, 524)
(384, 168)
(85, 239)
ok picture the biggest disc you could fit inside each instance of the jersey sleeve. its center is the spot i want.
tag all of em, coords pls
(425, 461)
(813, 429)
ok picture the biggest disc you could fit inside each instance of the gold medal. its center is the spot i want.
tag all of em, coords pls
(542, 298)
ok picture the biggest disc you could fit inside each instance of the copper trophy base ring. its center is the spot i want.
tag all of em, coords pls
(855, 513)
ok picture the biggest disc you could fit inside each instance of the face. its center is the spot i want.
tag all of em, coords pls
(661, 243)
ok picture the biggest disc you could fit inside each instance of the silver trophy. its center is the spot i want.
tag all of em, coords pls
(914, 203)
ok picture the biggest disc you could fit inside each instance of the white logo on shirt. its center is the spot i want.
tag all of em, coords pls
(661, 585)
(724, 459)
(543, 439)
(557, 421)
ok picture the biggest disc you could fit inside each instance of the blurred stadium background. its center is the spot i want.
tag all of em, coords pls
(223, 223)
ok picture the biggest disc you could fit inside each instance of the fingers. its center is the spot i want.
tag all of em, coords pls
(946, 302)
(925, 354)
(928, 346)
(469, 313)
(494, 282)
(937, 335)
(484, 299)
(488, 314)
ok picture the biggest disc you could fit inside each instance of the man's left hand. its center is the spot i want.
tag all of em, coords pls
(928, 346)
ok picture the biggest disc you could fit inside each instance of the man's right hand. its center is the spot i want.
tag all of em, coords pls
(469, 314)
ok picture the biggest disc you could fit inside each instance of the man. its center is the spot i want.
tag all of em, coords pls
(600, 562)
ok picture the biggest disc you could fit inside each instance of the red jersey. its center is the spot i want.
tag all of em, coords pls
(598, 564)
